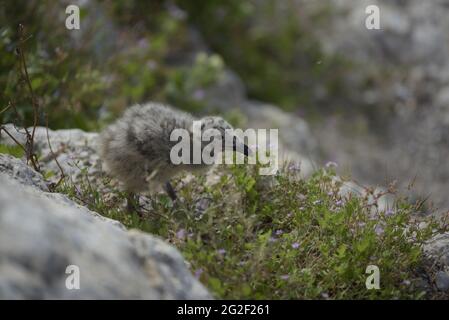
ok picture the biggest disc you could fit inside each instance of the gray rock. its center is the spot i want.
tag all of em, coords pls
(228, 92)
(294, 132)
(438, 248)
(42, 233)
(442, 281)
(16, 169)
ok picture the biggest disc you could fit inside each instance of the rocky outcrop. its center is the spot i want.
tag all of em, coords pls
(42, 234)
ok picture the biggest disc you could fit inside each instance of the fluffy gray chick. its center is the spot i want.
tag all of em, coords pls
(136, 148)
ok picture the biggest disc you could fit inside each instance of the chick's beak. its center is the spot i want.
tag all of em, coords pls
(239, 146)
(246, 150)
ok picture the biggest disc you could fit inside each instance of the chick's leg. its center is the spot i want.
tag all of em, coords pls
(170, 191)
(132, 203)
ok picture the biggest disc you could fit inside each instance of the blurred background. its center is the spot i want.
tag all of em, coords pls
(376, 102)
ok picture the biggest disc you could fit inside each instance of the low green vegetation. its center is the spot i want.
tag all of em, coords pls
(13, 150)
(250, 236)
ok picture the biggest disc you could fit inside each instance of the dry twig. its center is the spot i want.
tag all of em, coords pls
(29, 147)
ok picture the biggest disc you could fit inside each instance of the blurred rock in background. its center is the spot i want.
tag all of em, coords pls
(403, 79)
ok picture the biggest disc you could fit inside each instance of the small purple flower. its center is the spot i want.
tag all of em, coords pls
(279, 232)
(338, 203)
(285, 277)
(181, 234)
(389, 212)
(199, 94)
(198, 273)
(295, 245)
(330, 193)
(221, 251)
(272, 239)
(143, 43)
(379, 230)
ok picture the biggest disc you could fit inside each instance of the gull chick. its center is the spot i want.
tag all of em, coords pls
(136, 148)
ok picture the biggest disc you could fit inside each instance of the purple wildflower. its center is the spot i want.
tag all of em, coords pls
(143, 43)
(221, 251)
(285, 277)
(295, 245)
(198, 273)
(379, 230)
(181, 234)
(199, 94)
(279, 232)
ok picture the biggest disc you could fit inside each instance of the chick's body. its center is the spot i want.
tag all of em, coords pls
(136, 148)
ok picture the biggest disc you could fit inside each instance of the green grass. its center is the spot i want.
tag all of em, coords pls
(13, 150)
(296, 239)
